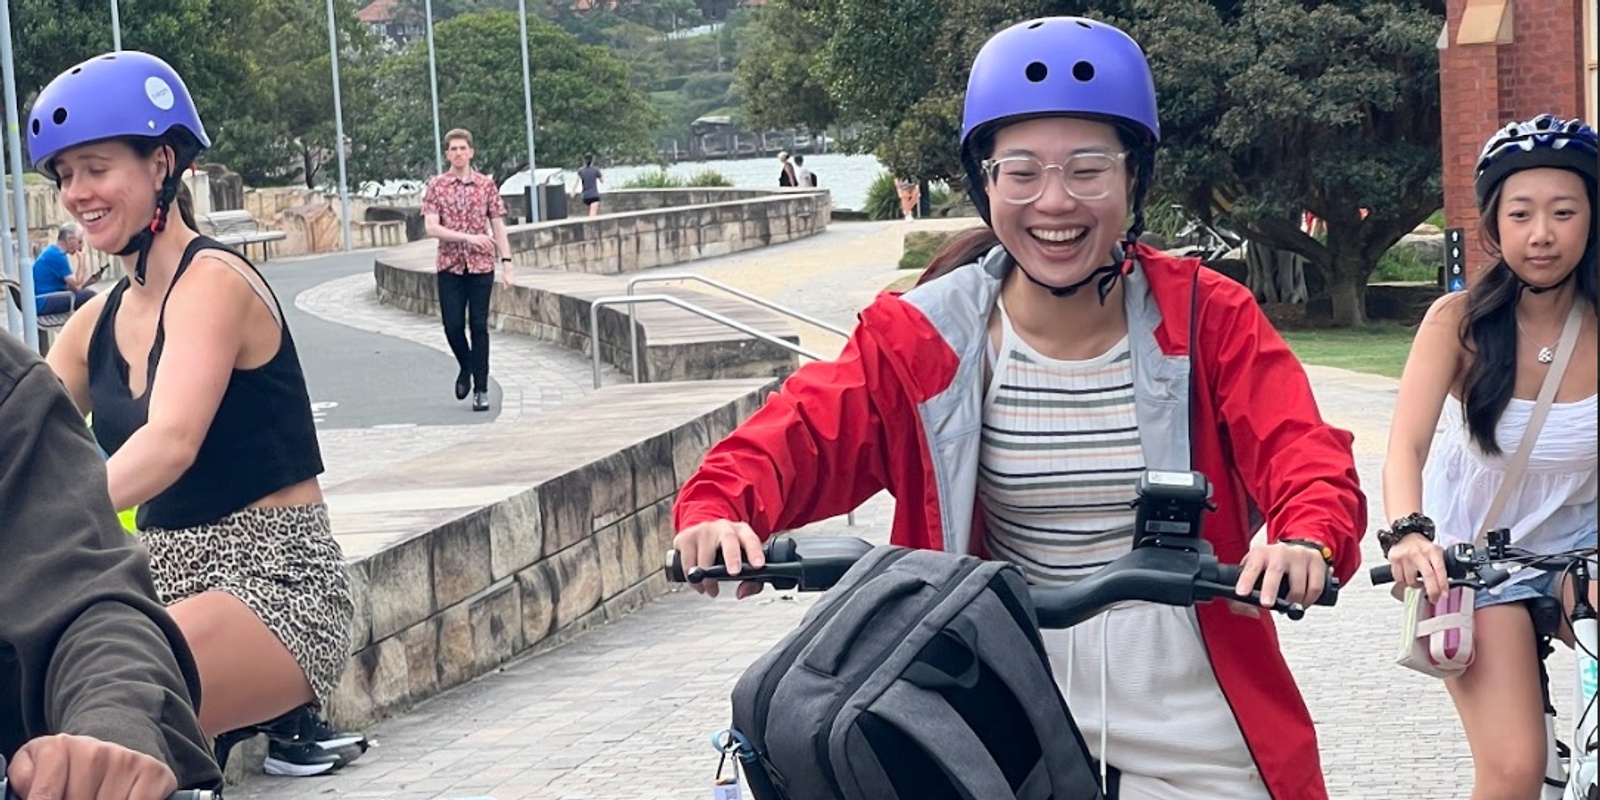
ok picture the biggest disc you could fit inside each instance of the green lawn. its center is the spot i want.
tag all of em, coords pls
(1379, 349)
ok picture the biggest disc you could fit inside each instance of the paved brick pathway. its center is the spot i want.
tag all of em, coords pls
(625, 711)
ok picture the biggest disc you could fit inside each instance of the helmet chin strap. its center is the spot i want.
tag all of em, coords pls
(1552, 287)
(141, 241)
(1104, 278)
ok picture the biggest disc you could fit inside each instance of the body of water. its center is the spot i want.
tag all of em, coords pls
(846, 177)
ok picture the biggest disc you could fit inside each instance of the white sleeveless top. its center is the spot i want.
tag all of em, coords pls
(1059, 460)
(1551, 510)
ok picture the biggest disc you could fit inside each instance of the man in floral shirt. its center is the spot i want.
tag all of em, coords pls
(463, 210)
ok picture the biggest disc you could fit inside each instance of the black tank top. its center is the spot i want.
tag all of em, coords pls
(262, 438)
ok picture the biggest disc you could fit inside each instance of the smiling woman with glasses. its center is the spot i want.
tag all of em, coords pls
(1020, 179)
(1011, 404)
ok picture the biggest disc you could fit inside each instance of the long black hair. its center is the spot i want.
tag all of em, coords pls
(1489, 330)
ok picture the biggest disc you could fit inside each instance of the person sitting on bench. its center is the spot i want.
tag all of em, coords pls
(54, 275)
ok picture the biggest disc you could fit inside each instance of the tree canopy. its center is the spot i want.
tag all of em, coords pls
(1268, 107)
(582, 100)
(261, 76)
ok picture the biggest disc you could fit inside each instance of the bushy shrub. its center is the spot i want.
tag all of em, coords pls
(708, 177)
(1403, 264)
(657, 178)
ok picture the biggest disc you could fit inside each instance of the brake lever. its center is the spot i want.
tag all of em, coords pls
(1223, 591)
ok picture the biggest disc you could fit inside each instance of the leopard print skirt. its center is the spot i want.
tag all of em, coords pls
(282, 563)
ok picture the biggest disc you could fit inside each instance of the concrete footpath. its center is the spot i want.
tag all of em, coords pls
(626, 710)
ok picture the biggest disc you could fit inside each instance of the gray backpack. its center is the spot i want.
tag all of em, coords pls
(920, 676)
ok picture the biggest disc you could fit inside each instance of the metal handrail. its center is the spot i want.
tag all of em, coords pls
(631, 299)
(633, 335)
(740, 293)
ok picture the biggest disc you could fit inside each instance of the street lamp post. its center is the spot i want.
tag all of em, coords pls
(116, 27)
(527, 103)
(433, 84)
(30, 316)
(338, 127)
(7, 252)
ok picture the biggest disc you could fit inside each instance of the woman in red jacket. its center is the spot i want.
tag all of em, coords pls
(1011, 405)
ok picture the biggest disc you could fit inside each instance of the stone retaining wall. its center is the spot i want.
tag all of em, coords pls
(624, 200)
(611, 244)
(463, 576)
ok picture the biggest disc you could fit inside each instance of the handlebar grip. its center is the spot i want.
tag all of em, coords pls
(1229, 574)
(777, 550)
(1381, 574)
(181, 794)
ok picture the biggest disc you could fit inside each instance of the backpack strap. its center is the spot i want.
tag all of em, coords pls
(927, 719)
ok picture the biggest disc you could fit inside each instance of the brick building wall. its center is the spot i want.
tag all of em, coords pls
(1483, 86)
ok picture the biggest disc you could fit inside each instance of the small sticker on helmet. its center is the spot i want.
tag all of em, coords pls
(159, 92)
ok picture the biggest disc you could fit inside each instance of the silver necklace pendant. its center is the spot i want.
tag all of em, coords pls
(1546, 355)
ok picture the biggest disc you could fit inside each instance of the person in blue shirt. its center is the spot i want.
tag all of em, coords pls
(52, 272)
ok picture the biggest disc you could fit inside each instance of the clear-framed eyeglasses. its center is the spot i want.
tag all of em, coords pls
(1020, 180)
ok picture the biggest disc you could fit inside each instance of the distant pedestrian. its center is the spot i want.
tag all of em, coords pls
(53, 274)
(786, 176)
(588, 183)
(805, 176)
(463, 210)
(910, 195)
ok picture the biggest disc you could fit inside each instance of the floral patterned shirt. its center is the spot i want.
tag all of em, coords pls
(465, 206)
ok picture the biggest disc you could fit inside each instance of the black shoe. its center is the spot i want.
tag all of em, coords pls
(480, 401)
(306, 726)
(299, 760)
(463, 384)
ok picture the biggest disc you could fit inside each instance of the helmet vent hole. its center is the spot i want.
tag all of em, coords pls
(1083, 71)
(76, 70)
(1083, 24)
(60, 116)
(36, 126)
(1037, 71)
(1036, 24)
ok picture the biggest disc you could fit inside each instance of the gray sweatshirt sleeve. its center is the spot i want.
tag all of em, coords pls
(93, 653)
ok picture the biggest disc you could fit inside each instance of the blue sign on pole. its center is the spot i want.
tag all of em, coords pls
(1455, 259)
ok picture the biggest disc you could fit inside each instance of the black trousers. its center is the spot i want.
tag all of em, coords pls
(464, 307)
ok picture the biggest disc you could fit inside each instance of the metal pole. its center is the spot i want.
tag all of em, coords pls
(116, 27)
(433, 84)
(8, 256)
(338, 127)
(30, 315)
(527, 103)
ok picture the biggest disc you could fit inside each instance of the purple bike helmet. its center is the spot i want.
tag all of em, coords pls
(120, 95)
(1061, 66)
(124, 94)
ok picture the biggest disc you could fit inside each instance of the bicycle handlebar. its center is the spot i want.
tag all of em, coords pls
(1176, 576)
(181, 794)
(1467, 566)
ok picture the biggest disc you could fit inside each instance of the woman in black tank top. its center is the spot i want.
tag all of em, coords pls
(198, 396)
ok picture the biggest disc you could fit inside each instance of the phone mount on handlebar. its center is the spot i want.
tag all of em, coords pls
(1168, 510)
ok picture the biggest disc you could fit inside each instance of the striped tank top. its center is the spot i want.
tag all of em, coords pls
(1059, 459)
(1058, 466)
